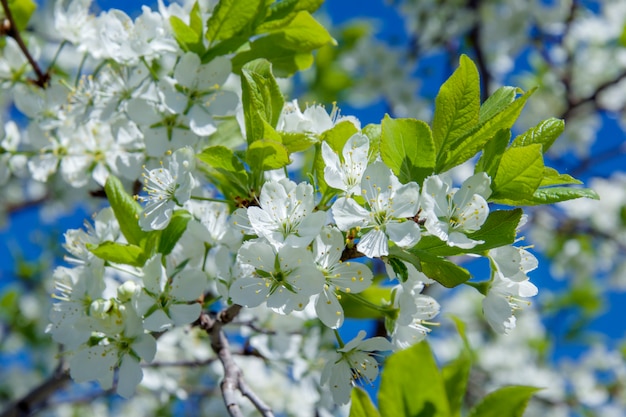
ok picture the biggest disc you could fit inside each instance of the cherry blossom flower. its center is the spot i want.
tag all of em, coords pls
(390, 207)
(285, 278)
(450, 212)
(346, 175)
(347, 277)
(352, 362)
(167, 188)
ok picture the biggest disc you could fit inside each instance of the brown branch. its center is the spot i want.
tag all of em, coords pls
(233, 377)
(10, 29)
(481, 61)
(38, 396)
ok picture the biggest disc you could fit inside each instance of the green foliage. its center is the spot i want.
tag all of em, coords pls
(282, 32)
(362, 405)
(412, 385)
(508, 401)
(126, 210)
(434, 267)
(261, 98)
(189, 36)
(408, 148)
(22, 11)
(174, 231)
(499, 229)
(119, 253)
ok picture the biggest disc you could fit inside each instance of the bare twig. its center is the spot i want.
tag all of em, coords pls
(10, 29)
(38, 396)
(481, 62)
(233, 377)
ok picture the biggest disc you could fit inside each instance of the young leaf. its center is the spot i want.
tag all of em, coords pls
(339, 135)
(508, 401)
(497, 102)
(264, 155)
(231, 17)
(362, 405)
(120, 253)
(407, 148)
(469, 144)
(126, 210)
(22, 11)
(544, 133)
(403, 394)
(173, 232)
(551, 195)
(455, 375)
(261, 98)
(281, 13)
(289, 48)
(552, 177)
(519, 174)
(224, 161)
(457, 105)
(189, 37)
(354, 308)
(492, 153)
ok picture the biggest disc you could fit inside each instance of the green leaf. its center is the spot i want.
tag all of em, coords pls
(443, 271)
(374, 132)
(362, 405)
(354, 308)
(226, 163)
(497, 102)
(440, 269)
(22, 11)
(288, 49)
(492, 153)
(189, 37)
(173, 232)
(126, 210)
(457, 105)
(551, 195)
(455, 376)
(544, 133)
(119, 253)
(499, 229)
(519, 174)
(338, 135)
(281, 13)
(508, 401)
(411, 385)
(552, 177)
(475, 139)
(264, 155)
(261, 98)
(407, 148)
(230, 17)
(297, 142)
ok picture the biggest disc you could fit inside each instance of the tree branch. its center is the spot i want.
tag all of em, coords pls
(233, 377)
(10, 29)
(37, 397)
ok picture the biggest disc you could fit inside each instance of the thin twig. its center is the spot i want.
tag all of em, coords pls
(37, 397)
(233, 377)
(13, 32)
(481, 62)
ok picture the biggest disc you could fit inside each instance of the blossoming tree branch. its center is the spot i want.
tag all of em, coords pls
(235, 213)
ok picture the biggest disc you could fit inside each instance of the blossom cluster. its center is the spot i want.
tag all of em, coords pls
(346, 239)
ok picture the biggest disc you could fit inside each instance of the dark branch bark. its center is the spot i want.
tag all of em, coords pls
(37, 398)
(10, 29)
